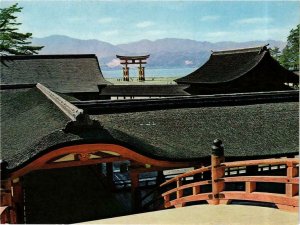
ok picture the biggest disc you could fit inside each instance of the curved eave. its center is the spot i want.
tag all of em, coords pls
(124, 149)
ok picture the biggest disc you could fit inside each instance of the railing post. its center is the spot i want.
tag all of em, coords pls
(217, 172)
(292, 171)
(291, 190)
(179, 193)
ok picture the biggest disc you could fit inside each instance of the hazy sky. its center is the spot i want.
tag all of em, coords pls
(125, 21)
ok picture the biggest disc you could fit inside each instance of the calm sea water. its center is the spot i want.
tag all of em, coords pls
(174, 72)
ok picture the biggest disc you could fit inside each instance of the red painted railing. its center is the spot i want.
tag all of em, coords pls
(219, 194)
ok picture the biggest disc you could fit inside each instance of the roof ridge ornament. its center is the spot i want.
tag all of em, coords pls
(264, 48)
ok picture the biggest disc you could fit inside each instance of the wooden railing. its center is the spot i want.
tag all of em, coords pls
(218, 189)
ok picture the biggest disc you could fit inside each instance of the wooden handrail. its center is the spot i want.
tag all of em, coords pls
(235, 164)
(187, 174)
(271, 179)
(186, 186)
(288, 200)
(261, 162)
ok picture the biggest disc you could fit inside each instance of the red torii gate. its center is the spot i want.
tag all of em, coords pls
(125, 60)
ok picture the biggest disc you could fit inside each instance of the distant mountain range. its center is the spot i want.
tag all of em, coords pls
(164, 53)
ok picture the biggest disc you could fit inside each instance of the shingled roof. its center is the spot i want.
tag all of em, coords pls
(61, 73)
(187, 133)
(32, 125)
(34, 120)
(144, 90)
(226, 66)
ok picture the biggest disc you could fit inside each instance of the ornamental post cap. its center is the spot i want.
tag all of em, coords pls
(217, 148)
(217, 142)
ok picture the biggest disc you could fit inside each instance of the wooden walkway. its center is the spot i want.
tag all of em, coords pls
(209, 214)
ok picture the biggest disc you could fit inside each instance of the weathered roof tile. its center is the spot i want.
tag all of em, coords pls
(60, 73)
(226, 66)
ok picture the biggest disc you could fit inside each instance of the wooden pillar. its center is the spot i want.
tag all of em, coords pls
(217, 172)
(135, 195)
(291, 189)
(126, 73)
(141, 72)
(110, 175)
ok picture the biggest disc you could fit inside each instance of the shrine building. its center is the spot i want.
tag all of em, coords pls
(59, 158)
(239, 71)
(70, 153)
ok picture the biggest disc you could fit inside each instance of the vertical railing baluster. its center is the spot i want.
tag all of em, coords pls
(250, 186)
(179, 193)
(167, 200)
(196, 190)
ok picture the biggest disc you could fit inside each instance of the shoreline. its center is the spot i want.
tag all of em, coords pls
(149, 80)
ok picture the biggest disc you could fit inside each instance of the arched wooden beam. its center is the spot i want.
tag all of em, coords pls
(125, 153)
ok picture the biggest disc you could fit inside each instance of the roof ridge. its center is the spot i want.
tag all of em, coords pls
(48, 56)
(240, 50)
(17, 86)
(66, 107)
(192, 101)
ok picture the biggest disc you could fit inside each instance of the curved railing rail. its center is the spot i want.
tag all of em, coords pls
(217, 189)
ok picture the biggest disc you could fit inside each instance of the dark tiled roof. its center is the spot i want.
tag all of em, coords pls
(25, 116)
(32, 125)
(225, 66)
(186, 134)
(144, 90)
(61, 73)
